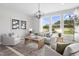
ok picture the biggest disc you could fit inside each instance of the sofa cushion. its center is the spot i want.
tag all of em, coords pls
(47, 40)
(11, 34)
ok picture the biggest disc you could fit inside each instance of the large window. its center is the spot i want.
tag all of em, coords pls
(45, 24)
(55, 24)
(68, 24)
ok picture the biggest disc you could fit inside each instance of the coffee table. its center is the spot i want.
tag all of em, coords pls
(38, 40)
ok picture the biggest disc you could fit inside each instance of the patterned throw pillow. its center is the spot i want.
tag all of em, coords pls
(10, 34)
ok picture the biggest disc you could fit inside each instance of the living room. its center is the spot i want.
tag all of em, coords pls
(31, 29)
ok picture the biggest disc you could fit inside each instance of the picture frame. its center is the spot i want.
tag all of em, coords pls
(15, 24)
(23, 24)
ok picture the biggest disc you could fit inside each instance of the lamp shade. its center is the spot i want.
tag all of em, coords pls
(30, 29)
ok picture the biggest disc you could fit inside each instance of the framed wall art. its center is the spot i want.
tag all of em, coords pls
(23, 24)
(15, 24)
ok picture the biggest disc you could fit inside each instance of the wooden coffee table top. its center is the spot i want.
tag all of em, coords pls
(37, 38)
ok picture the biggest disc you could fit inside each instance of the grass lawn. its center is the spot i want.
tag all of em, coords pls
(68, 30)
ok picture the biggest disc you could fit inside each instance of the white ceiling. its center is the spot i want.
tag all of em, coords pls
(31, 8)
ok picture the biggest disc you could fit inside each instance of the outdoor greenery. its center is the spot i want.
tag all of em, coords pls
(68, 31)
(46, 26)
(68, 26)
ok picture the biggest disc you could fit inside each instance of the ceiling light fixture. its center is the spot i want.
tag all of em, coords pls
(38, 14)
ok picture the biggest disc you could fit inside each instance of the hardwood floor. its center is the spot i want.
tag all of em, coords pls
(21, 48)
(6, 52)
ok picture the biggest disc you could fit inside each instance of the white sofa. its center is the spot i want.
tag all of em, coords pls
(72, 50)
(10, 40)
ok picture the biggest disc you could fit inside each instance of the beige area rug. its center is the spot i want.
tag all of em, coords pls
(30, 49)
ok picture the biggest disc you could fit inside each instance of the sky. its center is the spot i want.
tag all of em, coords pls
(46, 20)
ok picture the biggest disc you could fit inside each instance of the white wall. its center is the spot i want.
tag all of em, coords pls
(6, 16)
(35, 25)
